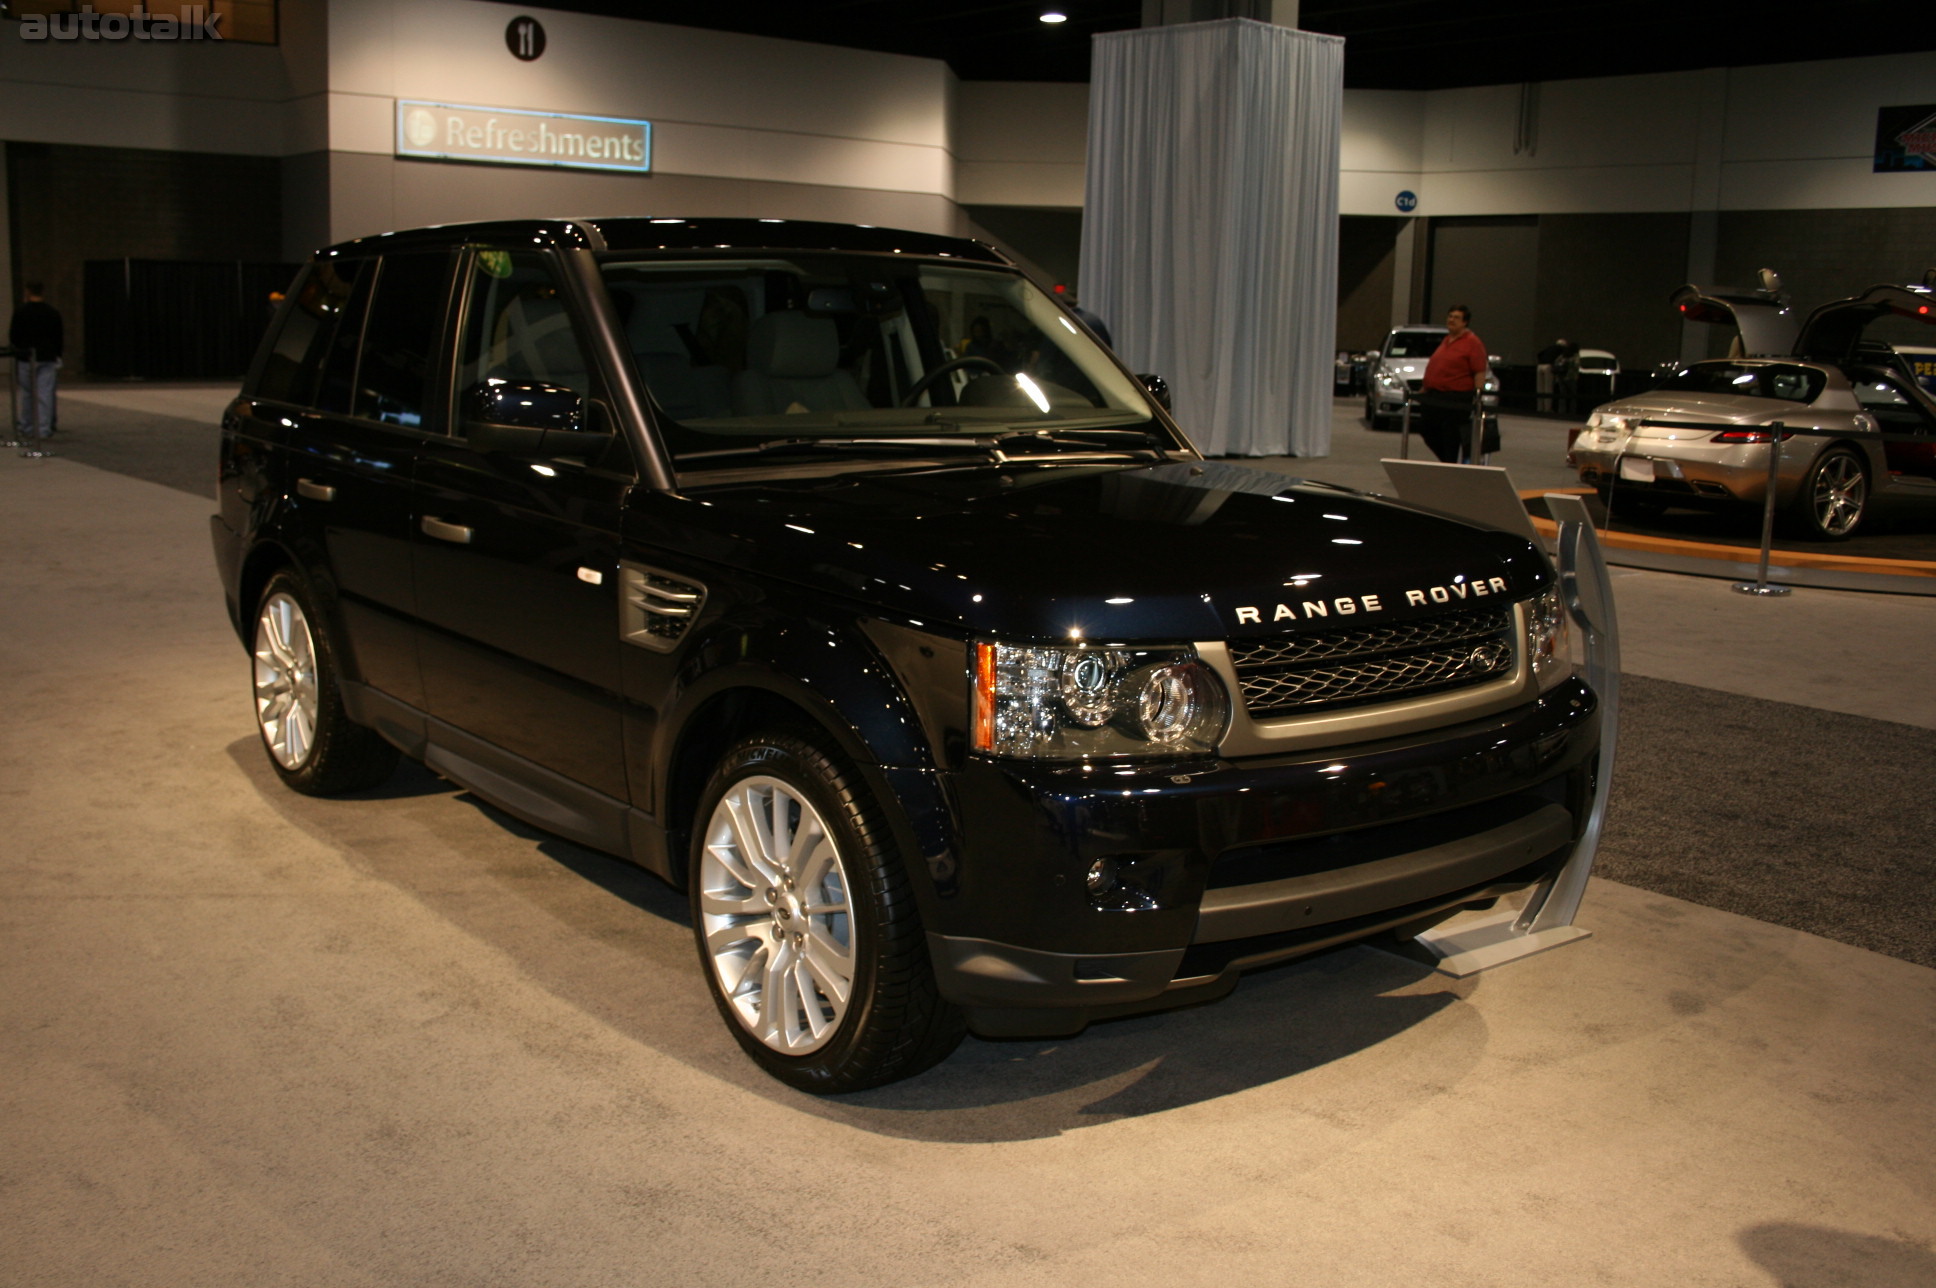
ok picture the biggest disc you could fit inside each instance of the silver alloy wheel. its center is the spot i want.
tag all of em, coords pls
(1841, 490)
(774, 912)
(285, 680)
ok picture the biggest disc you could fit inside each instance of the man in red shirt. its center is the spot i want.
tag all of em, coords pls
(1456, 368)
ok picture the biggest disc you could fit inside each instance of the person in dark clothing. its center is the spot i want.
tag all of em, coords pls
(36, 337)
(1562, 359)
(1093, 322)
(1451, 376)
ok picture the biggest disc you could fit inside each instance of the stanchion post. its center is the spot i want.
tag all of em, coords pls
(1405, 430)
(1475, 448)
(13, 401)
(1759, 586)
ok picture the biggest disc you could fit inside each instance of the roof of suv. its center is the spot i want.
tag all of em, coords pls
(643, 233)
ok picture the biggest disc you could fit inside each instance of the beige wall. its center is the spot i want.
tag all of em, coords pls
(777, 126)
(1020, 144)
(771, 119)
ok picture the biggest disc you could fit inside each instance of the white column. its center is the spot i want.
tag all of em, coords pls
(1210, 223)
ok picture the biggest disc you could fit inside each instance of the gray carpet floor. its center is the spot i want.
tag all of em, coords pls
(1805, 818)
(167, 450)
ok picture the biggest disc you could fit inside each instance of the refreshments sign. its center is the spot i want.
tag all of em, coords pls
(509, 136)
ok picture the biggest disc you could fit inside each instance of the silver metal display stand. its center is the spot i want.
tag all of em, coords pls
(1546, 920)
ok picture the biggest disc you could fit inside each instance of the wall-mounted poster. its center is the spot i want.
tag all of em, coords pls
(1905, 138)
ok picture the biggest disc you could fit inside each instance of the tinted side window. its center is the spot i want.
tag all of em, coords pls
(519, 328)
(339, 362)
(1880, 396)
(400, 339)
(309, 325)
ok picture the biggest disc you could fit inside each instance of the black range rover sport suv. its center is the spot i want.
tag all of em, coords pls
(841, 578)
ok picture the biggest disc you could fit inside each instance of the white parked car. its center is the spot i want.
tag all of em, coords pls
(1398, 370)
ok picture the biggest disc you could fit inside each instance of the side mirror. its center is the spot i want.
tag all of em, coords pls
(1158, 388)
(527, 419)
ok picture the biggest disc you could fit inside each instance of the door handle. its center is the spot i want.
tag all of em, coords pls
(446, 531)
(315, 491)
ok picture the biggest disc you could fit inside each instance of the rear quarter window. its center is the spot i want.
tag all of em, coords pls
(307, 331)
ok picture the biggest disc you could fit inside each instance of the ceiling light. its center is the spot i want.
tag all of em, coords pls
(1055, 16)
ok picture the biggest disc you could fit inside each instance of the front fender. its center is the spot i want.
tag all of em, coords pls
(825, 667)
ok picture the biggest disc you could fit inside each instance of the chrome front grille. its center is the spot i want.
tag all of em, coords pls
(1294, 674)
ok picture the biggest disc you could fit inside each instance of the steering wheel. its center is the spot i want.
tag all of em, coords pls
(922, 385)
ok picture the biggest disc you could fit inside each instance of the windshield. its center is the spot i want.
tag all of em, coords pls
(1413, 344)
(744, 354)
(1782, 381)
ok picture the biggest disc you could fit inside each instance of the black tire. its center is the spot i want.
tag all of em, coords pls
(1372, 419)
(1833, 499)
(297, 683)
(893, 1022)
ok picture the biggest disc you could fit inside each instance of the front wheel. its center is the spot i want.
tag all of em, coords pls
(806, 923)
(1834, 497)
(313, 745)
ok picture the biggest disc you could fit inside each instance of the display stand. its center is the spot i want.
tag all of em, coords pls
(1546, 920)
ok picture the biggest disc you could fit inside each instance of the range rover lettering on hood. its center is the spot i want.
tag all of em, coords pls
(1350, 605)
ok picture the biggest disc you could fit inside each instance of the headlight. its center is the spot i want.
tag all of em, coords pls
(1389, 380)
(1603, 420)
(1065, 702)
(1549, 639)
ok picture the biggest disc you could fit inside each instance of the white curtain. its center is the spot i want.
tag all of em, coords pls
(1210, 224)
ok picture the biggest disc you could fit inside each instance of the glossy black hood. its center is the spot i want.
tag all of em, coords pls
(1176, 551)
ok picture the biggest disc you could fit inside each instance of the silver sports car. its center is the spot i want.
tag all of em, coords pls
(1853, 420)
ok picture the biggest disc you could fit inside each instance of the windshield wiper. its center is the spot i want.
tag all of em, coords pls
(809, 446)
(1134, 440)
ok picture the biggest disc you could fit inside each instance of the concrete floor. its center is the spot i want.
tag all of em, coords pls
(252, 1038)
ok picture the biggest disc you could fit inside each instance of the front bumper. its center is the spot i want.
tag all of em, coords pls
(1386, 401)
(1213, 867)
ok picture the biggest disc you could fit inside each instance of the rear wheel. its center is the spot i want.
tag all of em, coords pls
(312, 743)
(806, 923)
(1834, 497)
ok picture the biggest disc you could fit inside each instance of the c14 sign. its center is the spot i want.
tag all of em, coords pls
(511, 136)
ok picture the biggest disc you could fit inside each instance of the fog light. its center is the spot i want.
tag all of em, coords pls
(1102, 876)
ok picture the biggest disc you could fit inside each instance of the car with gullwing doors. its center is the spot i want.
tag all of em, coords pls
(1852, 419)
(956, 694)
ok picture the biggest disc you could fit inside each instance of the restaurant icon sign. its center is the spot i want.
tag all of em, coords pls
(1905, 138)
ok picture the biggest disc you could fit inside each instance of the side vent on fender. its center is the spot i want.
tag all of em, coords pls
(655, 609)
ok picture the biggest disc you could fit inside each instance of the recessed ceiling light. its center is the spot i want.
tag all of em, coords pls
(1055, 15)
